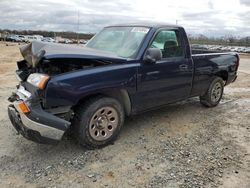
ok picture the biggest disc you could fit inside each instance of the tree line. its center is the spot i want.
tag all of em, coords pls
(64, 34)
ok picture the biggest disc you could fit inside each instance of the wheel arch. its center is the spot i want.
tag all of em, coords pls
(223, 74)
(119, 94)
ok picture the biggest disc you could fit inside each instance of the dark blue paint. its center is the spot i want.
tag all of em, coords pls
(148, 85)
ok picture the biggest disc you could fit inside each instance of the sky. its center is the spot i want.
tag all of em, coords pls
(208, 17)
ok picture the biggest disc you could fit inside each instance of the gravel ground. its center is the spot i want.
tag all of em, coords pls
(181, 145)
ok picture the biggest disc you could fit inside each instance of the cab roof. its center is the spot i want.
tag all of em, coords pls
(147, 24)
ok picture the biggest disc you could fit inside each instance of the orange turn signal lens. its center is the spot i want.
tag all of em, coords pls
(23, 107)
(43, 82)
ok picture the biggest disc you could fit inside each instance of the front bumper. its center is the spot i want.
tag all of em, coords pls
(37, 125)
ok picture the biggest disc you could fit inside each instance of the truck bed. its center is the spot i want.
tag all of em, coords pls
(206, 64)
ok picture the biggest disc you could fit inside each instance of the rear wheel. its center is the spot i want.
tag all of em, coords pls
(214, 93)
(98, 122)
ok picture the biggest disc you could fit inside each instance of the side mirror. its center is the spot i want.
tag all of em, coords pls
(152, 55)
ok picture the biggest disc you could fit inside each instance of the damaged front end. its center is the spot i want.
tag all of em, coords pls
(32, 121)
(56, 59)
(43, 62)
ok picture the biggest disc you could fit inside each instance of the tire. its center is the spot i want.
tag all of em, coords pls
(97, 123)
(214, 93)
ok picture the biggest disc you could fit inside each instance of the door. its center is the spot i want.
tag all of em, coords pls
(169, 79)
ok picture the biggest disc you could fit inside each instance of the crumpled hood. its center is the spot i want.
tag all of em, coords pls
(35, 51)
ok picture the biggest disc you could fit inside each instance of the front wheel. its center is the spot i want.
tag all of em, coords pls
(214, 93)
(98, 122)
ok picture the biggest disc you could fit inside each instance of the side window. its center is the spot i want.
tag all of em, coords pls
(169, 42)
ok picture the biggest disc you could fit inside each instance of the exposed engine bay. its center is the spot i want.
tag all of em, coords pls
(59, 66)
(53, 59)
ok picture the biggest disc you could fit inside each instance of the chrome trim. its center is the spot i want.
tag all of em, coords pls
(23, 93)
(44, 130)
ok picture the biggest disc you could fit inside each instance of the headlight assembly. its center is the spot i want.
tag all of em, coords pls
(38, 80)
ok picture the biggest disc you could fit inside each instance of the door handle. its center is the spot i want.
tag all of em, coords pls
(183, 66)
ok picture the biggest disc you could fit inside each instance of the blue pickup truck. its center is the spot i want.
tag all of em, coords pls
(123, 70)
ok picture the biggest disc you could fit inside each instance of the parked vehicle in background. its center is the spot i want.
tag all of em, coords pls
(13, 38)
(247, 50)
(219, 48)
(68, 41)
(48, 39)
(65, 41)
(22, 38)
(122, 71)
(74, 41)
(31, 38)
(82, 41)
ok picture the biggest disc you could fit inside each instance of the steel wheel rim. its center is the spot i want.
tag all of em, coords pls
(216, 92)
(103, 123)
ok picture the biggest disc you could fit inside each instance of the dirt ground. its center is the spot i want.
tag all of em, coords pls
(182, 145)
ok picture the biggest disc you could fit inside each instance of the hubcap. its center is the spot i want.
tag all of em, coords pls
(103, 123)
(216, 92)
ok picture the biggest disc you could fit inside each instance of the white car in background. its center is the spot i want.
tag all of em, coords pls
(82, 41)
(68, 41)
(247, 50)
(31, 38)
(22, 38)
(48, 39)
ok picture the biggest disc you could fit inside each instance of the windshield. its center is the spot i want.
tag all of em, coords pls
(122, 41)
